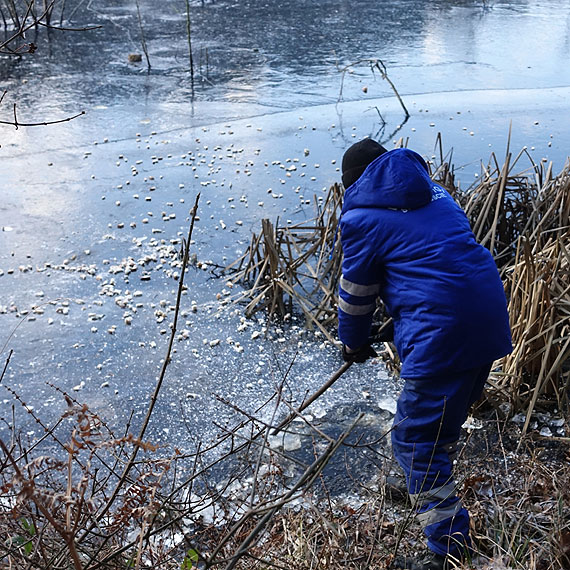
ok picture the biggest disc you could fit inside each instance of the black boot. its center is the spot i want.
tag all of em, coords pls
(431, 561)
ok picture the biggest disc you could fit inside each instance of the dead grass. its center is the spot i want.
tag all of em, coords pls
(523, 218)
(519, 499)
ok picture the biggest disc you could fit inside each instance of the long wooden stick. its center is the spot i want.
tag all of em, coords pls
(312, 398)
(324, 387)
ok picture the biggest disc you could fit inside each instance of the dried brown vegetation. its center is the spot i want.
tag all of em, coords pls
(523, 218)
(76, 511)
(291, 267)
(518, 497)
(77, 499)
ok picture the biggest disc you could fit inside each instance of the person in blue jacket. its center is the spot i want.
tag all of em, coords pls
(406, 241)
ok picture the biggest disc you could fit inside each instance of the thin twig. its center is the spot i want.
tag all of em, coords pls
(17, 124)
(143, 40)
(162, 374)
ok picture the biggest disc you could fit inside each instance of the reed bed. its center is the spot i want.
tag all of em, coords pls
(522, 215)
(292, 267)
(523, 218)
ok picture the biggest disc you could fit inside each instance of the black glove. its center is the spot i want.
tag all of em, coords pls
(382, 332)
(361, 355)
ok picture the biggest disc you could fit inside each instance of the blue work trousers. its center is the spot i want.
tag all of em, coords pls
(430, 413)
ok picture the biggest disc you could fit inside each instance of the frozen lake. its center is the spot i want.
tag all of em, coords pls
(84, 202)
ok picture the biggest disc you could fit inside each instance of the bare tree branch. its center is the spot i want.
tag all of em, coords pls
(17, 124)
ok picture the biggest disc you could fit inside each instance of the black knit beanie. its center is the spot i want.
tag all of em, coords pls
(357, 158)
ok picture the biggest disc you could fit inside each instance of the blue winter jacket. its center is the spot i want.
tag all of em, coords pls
(405, 239)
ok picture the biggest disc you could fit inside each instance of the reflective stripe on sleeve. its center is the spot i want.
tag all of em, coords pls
(358, 290)
(351, 309)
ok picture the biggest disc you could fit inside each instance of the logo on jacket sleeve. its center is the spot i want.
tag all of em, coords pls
(437, 193)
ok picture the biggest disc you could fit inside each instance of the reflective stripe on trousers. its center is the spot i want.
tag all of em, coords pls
(435, 505)
(427, 426)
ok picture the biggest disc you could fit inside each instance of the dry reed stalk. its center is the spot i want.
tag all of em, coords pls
(539, 305)
(143, 37)
(291, 266)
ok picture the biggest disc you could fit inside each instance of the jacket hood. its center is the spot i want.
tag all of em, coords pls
(397, 179)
